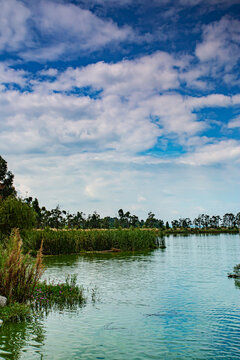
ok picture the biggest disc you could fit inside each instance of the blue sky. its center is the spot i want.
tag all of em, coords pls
(129, 104)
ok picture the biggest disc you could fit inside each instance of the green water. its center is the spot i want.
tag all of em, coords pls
(175, 303)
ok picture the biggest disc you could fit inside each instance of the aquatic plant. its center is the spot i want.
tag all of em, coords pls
(19, 275)
(57, 242)
(15, 312)
(65, 294)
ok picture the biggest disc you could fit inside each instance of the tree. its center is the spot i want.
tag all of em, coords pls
(6, 180)
(151, 221)
(15, 213)
(124, 218)
(175, 224)
(228, 220)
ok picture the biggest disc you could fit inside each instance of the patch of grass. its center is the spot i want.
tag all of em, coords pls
(15, 312)
(61, 295)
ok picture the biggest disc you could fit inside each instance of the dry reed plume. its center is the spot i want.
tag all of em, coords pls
(19, 275)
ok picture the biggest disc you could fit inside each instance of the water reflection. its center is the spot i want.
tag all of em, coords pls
(15, 336)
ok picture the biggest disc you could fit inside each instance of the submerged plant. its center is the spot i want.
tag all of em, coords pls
(19, 275)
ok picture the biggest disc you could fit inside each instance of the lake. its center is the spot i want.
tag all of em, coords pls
(176, 303)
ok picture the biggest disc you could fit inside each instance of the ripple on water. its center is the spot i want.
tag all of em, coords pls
(157, 305)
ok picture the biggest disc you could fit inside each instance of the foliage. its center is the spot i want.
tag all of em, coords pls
(19, 275)
(6, 180)
(59, 295)
(14, 213)
(75, 241)
(15, 312)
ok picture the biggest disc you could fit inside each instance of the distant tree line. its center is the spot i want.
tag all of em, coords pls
(17, 212)
(60, 219)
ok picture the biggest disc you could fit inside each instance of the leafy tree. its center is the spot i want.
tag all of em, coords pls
(35, 205)
(237, 220)
(94, 221)
(15, 213)
(124, 218)
(175, 224)
(215, 221)
(6, 180)
(228, 220)
(134, 221)
(151, 221)
(167, 225)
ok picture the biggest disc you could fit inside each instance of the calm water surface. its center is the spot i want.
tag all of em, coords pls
(171, 304)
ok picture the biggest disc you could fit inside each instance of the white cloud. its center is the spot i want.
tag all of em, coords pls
(234, 123)
(9, 75)
(220, 45)
(14, 31)
(213, 100)
(152, 73)
(219, 152)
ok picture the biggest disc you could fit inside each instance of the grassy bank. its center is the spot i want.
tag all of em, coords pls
(57, 242)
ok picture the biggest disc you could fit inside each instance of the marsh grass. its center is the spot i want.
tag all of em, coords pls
(58, 296)
(19, 274)
(56, 242)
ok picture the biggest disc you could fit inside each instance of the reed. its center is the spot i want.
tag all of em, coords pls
(57, 242)
(19, 275)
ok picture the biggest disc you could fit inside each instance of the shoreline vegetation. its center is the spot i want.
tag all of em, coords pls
(21, 289)
(63, 241)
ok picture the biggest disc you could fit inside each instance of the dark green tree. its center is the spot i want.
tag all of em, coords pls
(151, 221)
(6, 180)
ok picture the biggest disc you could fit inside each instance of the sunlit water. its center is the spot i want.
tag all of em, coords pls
(171, 304)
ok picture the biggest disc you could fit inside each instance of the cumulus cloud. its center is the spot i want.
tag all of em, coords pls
(220, 46)
(219, 152)
(50, 29)
(14, 30)
(9, 75)
(136, 108)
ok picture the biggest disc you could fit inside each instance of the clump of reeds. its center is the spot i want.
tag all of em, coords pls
(19, 275)
(75, 241)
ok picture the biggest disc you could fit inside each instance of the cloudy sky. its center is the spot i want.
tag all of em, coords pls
(133, 104)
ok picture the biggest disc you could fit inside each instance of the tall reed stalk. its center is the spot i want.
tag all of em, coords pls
(19, 275)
